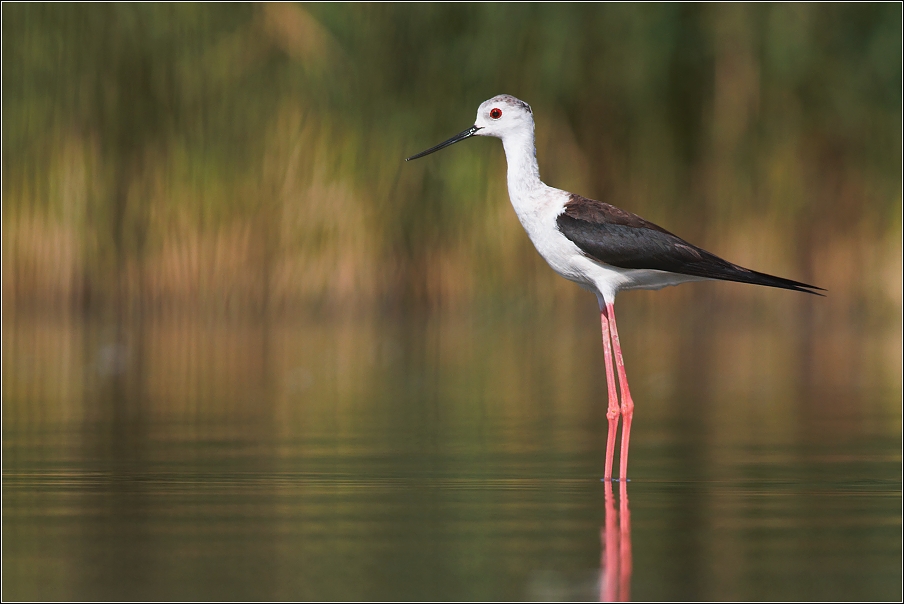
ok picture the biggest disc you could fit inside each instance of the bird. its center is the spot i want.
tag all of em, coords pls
(602, 248)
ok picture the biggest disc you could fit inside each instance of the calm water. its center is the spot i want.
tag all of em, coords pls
(450, 457)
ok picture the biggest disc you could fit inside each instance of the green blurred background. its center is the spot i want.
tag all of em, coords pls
(250, 353)
(248, 159)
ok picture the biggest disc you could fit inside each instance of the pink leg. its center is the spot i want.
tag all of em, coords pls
(627, 406)
(613, 411)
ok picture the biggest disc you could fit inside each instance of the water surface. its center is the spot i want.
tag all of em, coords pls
(446, 457)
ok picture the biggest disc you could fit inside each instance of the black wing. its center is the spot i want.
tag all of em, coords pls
(619, 238)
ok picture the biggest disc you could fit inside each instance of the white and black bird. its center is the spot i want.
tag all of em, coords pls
(597, 245)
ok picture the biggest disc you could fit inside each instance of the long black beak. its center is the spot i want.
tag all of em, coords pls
(458, 137)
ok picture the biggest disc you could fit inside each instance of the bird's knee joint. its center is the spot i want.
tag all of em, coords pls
(612, 414)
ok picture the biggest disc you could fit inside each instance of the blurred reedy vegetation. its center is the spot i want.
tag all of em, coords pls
(238, 159)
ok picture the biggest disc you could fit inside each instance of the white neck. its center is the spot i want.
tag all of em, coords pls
(521, 156)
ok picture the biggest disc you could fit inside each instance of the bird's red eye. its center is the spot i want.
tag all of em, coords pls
(495, 113)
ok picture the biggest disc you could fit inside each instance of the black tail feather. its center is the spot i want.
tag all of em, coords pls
(739, 274)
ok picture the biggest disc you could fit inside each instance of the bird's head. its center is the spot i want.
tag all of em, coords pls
(500, 116)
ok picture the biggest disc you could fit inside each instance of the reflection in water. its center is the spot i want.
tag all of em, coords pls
(615, 547)
(441, 457)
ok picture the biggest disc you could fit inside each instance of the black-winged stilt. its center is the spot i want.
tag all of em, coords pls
(600, 247)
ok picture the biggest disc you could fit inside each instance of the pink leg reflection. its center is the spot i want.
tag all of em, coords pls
(615, 544)
(609, 550)
(624, 551)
